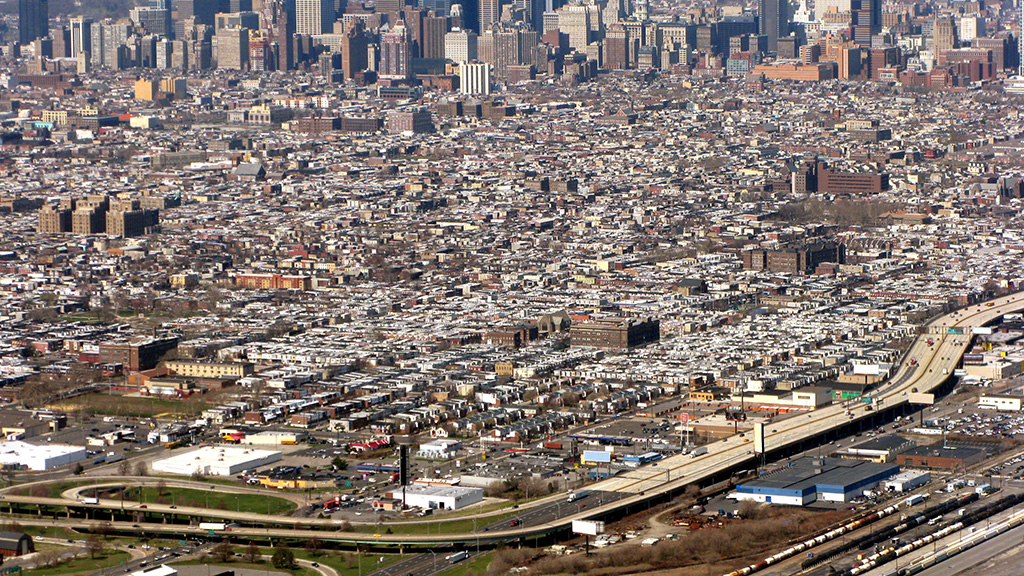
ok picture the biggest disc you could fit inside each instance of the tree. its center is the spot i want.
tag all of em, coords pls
(223, 551)
(78, 469)
(339, 463)
(313, 546)
(94, 544)
(252, 553)
(283, 558)
(124, 468)
(142, 470)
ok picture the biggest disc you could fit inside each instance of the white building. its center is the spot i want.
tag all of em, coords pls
(908, 480)
(314, 17)
(272, 438)
(33, 457)
(439, 449)
(475, 78)
(438, 497)
(460, 46)
(996, 402)
(216, 461)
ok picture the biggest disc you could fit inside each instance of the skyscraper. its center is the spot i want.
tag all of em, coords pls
(773, 21)
(233, 48)
(354, 50)
(33, 20)
(434, 30)
(460, 46)
(314, 16)
(490, 12)
(81, 35)
(394, 53)
(203, 11)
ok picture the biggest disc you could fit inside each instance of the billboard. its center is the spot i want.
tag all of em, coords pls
(921, 398)
(596, 456)
(587, 527)
(758, 437)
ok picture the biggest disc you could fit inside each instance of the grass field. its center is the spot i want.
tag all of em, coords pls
(82, 564)
(139, 407)
(253, 503)
(240, 563)
(347, 564)
(477, 565)
(49, 490)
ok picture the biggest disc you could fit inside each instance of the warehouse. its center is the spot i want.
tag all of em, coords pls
(272, 438)
(216, 461)
(908, 480)
(33, 457)
(808, 480)
(438, 497)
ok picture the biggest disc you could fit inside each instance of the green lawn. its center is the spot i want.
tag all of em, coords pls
(348, 564)
(238, 563)
(477, 565)
(50, 490)
(253, 503)
(83, 564)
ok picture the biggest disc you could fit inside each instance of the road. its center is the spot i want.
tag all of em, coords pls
(932, 365)
(1000, 556)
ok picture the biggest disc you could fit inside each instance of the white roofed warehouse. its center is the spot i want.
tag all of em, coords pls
(216, 461)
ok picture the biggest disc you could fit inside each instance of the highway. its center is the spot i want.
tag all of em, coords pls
(932, 367)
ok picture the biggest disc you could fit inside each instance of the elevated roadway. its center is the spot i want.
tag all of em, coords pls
(950, 335)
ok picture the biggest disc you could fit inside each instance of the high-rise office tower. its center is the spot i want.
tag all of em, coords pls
(314, 16)
(153, 20)
(944, 35)
(354, 50)
(499, 47)
(490, 13)
(575, 21)
(440, 7)
(434, 30)
(284, 33)
(773, 21)
(394, 53)
(81, 35)
(460, 46)
(33, 20)
(203, 12)
(616, 47)
(233, 48)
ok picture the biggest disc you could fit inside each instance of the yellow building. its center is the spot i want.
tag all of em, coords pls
(147, 90)
(193, 369)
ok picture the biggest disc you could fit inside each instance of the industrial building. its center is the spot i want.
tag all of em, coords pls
(880, 449)
(807, 480)
(216, 461)
(438, 497)
(907, 480)
(33, 457)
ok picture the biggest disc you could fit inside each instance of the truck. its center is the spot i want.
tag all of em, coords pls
(915, 499)
(552, 445)
(213, 526)
(578, 495)
(456, 557)
(89, 500)
(111, 457)
(99, 459)
(699, 451)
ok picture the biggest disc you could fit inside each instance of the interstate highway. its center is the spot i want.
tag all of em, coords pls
(672, 474)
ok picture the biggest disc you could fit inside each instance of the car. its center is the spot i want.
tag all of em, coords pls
(514, 523)
(135, 526)
(314, 565)
(142, 506)
(173, 507)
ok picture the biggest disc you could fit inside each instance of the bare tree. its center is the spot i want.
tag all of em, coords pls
(95, 545)
(124, 468)
(141, 469)
(253, 554)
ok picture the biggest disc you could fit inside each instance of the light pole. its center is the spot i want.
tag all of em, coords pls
(433, 559)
